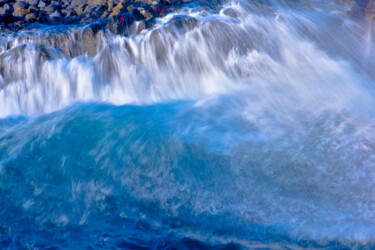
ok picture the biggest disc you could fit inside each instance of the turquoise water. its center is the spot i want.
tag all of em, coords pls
(253, 129)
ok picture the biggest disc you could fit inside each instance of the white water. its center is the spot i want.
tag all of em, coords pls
(284, 93)
(305, 56)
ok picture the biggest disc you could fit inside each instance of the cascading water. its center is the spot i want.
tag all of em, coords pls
(246, 125)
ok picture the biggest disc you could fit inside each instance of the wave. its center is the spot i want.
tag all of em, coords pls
(247, 126)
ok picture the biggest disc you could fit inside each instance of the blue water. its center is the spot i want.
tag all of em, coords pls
(252, 128)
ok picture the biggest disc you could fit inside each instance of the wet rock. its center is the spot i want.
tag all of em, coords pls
(183, 22)
(121, 25)
(230, 12)
(136, 14)
(20, 54)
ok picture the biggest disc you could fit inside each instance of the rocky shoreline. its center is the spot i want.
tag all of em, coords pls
(119, 16)
(17, 15)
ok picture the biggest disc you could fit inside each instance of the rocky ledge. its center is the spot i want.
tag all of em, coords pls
(19, 14)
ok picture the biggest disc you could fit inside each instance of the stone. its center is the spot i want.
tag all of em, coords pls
(68, 12)
(3, 11)
(41, 4)
(33, 9)
(20, 12)
(96, 2)
(30, 17)
(78, 2)
(80, 9)
(117, 10)
(136, 14)
(49, 9)
(20, 4)
(33, 2)
(55, 16)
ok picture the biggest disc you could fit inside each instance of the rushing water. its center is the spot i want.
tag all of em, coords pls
(248, 124)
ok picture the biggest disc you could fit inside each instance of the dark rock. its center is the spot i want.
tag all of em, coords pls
(137, 15)
(122, 25)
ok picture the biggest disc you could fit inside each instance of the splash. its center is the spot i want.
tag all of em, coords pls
(249, 125)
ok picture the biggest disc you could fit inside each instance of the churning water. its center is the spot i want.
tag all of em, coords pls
(242, 125)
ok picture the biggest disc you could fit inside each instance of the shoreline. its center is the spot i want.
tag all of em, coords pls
(18, 15)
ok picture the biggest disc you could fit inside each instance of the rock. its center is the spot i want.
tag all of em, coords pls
(146, 14)
(55, 16)
(30, 17)
(137, 15)
(104, 15)
(20, 12)
(33, 2)
(20, 4)
(4, 10)
(78, 2)
(68, 12)
(230, 12)
(80, 9)
(183, 22)
(33, 9)
(41, 4)
(117, 10)
(49, 9)
(96, 2)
